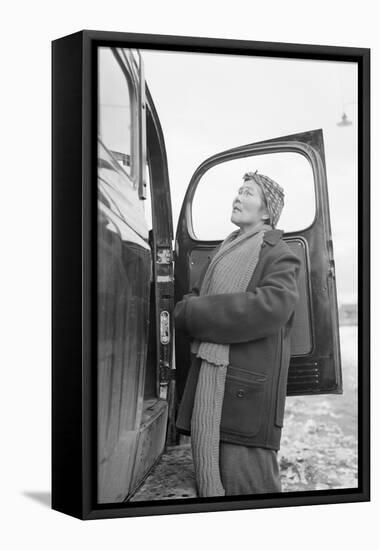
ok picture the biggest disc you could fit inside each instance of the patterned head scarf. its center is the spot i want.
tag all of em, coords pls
(272, 192)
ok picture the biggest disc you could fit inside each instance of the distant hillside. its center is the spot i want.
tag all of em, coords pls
(348, 314)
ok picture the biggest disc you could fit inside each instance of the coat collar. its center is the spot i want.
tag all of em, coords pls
(272, 236)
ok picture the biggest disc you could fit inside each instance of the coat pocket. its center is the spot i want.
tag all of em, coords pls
(243, 402)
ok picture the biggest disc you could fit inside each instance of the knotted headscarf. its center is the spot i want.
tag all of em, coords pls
(272, 192)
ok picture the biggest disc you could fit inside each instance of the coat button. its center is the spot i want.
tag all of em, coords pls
(240, 393)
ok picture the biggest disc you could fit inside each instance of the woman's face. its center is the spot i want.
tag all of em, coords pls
(248, 206)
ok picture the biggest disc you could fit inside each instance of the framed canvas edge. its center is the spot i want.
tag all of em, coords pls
(80, 374)
(67, 337)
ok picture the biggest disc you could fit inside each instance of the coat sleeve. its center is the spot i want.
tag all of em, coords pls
(244, 316)
(180, 308)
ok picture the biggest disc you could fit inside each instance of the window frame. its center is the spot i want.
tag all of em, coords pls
(275, 150)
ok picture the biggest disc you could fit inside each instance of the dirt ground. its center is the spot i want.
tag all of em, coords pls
(318, 446)
(319, 440)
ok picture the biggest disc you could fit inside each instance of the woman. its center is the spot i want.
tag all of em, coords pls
(240, 319)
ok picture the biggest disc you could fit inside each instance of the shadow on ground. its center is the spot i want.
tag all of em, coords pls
(42, 497)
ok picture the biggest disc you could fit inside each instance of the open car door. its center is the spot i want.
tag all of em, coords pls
(297, 163)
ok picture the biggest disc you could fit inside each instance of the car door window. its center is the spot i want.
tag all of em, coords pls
(115, 125)
(212, 203)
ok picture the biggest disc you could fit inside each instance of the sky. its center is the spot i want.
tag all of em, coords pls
(208, 103)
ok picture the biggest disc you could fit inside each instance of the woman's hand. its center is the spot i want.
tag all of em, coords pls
(180, 311)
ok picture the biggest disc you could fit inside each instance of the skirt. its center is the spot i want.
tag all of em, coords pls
(248, 470)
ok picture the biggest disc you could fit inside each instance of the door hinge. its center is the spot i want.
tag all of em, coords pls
(332, 270)
(164, 255)
(166, 373)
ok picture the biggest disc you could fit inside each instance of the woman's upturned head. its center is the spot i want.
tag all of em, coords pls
(259, 200)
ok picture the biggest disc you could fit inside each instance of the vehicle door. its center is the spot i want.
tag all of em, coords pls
(297, 162)
(124, 274)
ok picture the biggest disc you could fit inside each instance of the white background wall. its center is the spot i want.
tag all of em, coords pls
(27, 29)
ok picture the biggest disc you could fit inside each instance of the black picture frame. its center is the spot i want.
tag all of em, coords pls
(74, 267)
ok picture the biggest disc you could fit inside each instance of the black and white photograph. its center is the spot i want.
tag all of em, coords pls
(227, 275)
(188, 318)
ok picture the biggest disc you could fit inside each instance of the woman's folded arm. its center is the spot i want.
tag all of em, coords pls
(243, 316)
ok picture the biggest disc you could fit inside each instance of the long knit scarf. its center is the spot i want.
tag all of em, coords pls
(229, 271)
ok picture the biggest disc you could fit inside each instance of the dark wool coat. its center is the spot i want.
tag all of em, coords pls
(257, 325)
